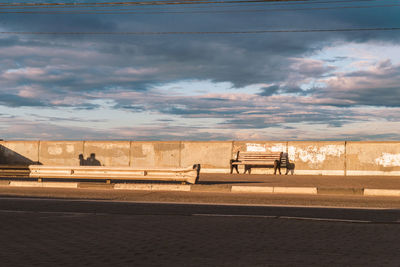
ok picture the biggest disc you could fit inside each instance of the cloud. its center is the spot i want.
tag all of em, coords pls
(270, 90)
(377, 86)
(273, 83)
(18, 101)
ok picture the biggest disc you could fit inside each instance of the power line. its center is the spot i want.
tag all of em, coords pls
(239, 3)
(110, 12)
(206, 32)
(144, 3)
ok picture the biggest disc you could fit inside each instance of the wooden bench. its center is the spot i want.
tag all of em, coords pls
(257, 159)
(285, 163)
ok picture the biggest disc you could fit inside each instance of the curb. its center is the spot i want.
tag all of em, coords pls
(153, 187)
(340, 191)
(252, 189)
(382, 192)
(296, 190)
(275, 189)
(210, 188)
(43, 184)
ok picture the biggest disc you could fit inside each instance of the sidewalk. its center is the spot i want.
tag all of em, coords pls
(241, 183)
(302, 184)
(379, 182)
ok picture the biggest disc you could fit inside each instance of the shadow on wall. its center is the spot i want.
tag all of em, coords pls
(89, 161)
(10, 157)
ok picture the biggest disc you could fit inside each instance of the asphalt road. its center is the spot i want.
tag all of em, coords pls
(206, 197)
(49, 232)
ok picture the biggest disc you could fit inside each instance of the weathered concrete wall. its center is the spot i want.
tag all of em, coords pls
(160, 154)
(318, 158)
(373, 158)
(108, 153)
(213, 156)
(19, 152)
(60, 152)
(258, 146)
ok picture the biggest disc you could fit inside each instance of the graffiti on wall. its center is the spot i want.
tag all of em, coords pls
(388, 160)
(251, 147)
(315, 154)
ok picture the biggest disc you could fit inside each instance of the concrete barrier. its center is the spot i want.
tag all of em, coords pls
(107, 153)
(311, 158)
(213, 156)
(19, 152)
(373, 158)
(55, 153)
(161, 154)
(318, 158)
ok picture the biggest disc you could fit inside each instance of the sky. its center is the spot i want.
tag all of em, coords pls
(189, 76)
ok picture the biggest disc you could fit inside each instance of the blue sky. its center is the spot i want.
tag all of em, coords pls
(266, 86)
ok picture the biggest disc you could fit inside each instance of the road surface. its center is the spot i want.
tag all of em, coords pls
(56, 232)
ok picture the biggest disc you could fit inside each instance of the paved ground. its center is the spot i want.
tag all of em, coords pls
(217, 180)
(36, 232)
(379, 182)
(206, 197)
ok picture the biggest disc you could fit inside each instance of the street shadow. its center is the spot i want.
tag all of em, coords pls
(89, 161)
(14, 165)
(10, 157)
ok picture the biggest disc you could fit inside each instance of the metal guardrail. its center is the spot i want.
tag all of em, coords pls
(189, 175)
(14, 171)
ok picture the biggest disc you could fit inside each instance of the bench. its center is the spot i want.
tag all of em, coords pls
(257, 159)
(285, 163)
(188, 175)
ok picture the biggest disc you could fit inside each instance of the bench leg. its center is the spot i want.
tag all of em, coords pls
(234, 166)
(277, 166)
(247, 168)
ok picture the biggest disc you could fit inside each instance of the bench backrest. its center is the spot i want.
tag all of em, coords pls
(259, 156)
(284, 160)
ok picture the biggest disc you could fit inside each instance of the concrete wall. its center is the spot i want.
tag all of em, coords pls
(213, 156)
(318, 158)
(373, 158)
(60, 152)
(312, 157)
(108, 153)
(19, 152)
(150, 154)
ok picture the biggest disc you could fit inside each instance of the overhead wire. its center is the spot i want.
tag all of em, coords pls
(124, 11)
(167, 2)
(207, 11)
(206, 32)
